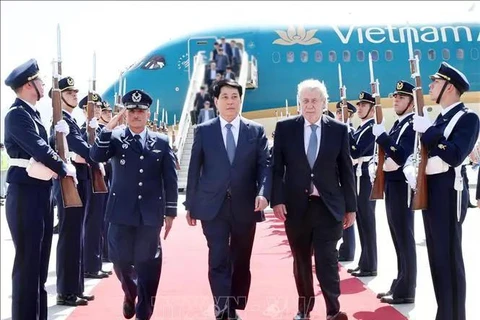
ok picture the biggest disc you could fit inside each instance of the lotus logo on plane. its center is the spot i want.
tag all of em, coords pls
(296, 35)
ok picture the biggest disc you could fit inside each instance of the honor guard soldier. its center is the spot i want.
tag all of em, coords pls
(449, 140)
(142, 195)
(346, 252)
(94, 208)
(362, 143)
(70, 278)
(29, 208)
(398, 146)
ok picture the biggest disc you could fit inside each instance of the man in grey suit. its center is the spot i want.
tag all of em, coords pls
(228, 187)
(206, 113)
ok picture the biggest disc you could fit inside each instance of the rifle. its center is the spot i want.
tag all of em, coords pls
(420, 197)
(68, 188)
(343, 95)
(98, 182)
(379, 182)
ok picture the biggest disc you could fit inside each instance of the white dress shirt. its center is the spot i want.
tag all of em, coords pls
(444, 111)
(29, 104)
(143, 136)
(307, 132)
(235, 129)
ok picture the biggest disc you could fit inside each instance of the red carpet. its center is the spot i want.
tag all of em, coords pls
(184, 291)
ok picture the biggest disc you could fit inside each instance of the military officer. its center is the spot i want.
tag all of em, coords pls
(143, 194)
(449, 140)
(94, 209)
(346, 252)
(29, 210)
(70, 278)
(398, 146)
(362, 143)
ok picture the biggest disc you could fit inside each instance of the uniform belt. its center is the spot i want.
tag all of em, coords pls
(19, 162)
(364, 160)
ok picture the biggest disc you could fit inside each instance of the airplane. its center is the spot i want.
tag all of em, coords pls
(279, 57)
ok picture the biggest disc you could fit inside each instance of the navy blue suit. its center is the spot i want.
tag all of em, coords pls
(443, 229)
(400, 216)
(362, 143)
(29, 210)
(70, 267)
(143, 191)
(222, 196)
(314, 223)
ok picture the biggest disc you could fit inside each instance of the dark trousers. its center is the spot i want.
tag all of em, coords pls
(443, 234)
(319, 231)
(94, 223)
(347, 248)
(401, 223)
(366, 226)
(29, 213)
(136, 254)
(70, 273)
(230, 246)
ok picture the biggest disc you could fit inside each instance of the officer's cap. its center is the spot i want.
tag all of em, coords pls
(350, 106)
(452, 75)
(106, 106)
(65, 84)
(22, 74)
(96, 98)
(137, 99)
(329, 113)
(404, 87)
(226, 83)
(364, 96)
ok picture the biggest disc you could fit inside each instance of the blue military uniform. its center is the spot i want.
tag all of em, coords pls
(362, 143)
(346, 252)
(94, 215)
(70, 267)
(143, 191)
(398, 146)
(443, 224)
(29, 210)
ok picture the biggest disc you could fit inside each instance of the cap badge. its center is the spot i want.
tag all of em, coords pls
(136, 97)
(361, 95)
(399, 85)
(70, 81)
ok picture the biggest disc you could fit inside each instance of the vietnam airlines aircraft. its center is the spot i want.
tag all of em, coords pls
(280, 57)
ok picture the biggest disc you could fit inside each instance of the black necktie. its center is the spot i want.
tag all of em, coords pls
(137, 142)
(395, 124)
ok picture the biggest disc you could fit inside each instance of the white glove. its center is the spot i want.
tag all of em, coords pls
(102, 168)
(122, 126)
(372, 170)
(93, 123)
(421, 124)
(62, 126)
(378, 129)
(72, 172)
(409, 172)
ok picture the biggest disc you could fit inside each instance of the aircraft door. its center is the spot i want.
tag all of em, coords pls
(204, 44)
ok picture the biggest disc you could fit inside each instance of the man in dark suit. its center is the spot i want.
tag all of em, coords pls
(200, 98)
(229, 181)
(449, 140)
(314, 193)
(143, 194)
(29, 209)
(398, 146)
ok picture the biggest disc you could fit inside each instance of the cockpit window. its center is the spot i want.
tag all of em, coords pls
(154, 63)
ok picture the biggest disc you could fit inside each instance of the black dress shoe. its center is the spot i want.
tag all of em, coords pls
(106, 272)
(362, 273)
(339, 316)
(392, 300)
(302, 316)
(383, 294)
(70, 300)
(95, 275)
(471, 205)
(128, 308)
(353, 270)
(88, 297)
